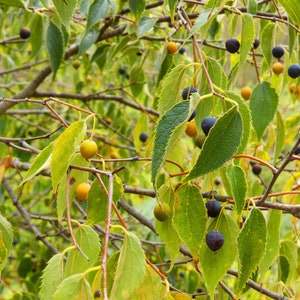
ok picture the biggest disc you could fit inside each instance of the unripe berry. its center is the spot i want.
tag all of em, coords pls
(88, 149)
(162, 211)
(82, 191)
(246, 93)
(277, 68)
(191, 129)
(172, 47)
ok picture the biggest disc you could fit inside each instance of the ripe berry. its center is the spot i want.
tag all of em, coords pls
(277, 68)
(187, 91)
(192, 115)
(277, 51)
(255, 43)
(122, 71)
(256, 169)
(207, 123)
(213, 208)
(232, 45)
(191, 129)
(218, 181)
(214, 240)
(82, 191)
(297, 151)
(172, 47)
(246, 93)
(294, 71)
(182, 50)
(143, 137)
(24, 33)
(88, 149)
(162, 211)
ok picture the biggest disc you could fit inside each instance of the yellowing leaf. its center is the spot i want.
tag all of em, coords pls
(6, 237)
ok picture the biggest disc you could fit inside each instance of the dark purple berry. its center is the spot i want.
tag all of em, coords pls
(213, 208)
(277, 51)
(294, 71)
(214, 240)
(207, 123)
(218, 181)
(256, 169)
(143, 137)
(122, 71)
(182, 50)
(24, 33)
(192, 115)
(232, 45)
(187, 91)
(182, 274)
(256, 43)
(297, 151)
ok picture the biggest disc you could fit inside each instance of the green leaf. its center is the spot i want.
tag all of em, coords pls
(75, 287)
(273, 240)
(97, 12)
(247, 37)
(65, 10)
(88, 241)
(166, 230)
(238, 185)
(6, 238)
(246, 120)
(37, 34)
(251, 246)
(150, 288)
(172, 5)
(76, 177)
(266, 45)
(131, 268)
(280, 135)
(16, 3)
(171, 87)
(137, 7)
(217, 74)
(292, 8)
(190, 217)
(252, 7)
(54, 46)
(63, 150)
(263, 105)
(220, 144)
(215, 264)
(168, 131)
(88, 40)
(145, 25)
(98, 202)
(40, 163)
(52, 276)
(165, 67)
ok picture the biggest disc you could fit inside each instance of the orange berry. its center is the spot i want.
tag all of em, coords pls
(88, 149)
(246, 93)
(82, 191)
(192, 21)
(172, 47)
(191, 129)
(277, 68)
(295, 90)
(88, 78)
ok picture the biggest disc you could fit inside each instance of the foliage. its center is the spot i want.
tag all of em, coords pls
(100, 70)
